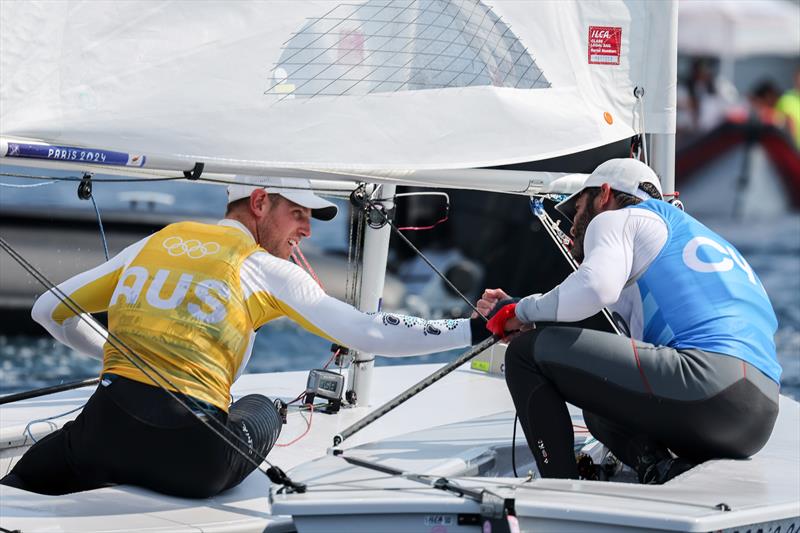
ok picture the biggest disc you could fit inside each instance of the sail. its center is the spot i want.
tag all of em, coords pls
(387, 86)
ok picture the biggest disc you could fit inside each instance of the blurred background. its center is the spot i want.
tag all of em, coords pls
(737, 170)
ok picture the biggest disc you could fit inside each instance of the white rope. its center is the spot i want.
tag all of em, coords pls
(52, 425)
(28, 186)
(640, 97)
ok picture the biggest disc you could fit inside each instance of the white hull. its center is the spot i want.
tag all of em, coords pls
(459, 428)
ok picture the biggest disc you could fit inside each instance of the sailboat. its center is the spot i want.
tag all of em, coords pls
(365, 96)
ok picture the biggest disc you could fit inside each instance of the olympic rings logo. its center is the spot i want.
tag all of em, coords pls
(193, 248)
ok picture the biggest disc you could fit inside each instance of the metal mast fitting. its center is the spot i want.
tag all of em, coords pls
(376, 251)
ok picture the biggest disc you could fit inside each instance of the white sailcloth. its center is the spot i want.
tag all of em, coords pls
(374, 86)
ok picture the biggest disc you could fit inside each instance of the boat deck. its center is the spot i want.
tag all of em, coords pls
(461, 428)
(246, 507)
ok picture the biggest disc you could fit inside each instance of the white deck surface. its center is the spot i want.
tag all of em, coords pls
(459, 428)
(341, 497)
(469, 394)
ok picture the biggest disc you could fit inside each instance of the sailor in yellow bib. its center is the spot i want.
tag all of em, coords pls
(187, 300)
(181, 306)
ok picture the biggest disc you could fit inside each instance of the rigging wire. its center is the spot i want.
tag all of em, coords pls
(100, 223)
(638, 92)
(354, 258)
(418, 387)
(557, 236)
(219, 181)
(35, 393)
(348, 290)
(51, 181)
(358, 258)
(96, 180)
(274, 473)
(371, 204)
(105, 251)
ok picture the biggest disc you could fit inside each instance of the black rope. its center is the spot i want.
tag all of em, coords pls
(257, 184)
(35, 393)
(416, 388)
(514, 446)
(354, 252)
(96, 180)
(273, 472)
(436, 482)
(371, 205)
(220, 181)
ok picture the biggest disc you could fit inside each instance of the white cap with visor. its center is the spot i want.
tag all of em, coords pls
(297, 190)
(626, 175)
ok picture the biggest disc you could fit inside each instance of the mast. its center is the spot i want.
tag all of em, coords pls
(376, 251)
(662, 145)
(662, 159)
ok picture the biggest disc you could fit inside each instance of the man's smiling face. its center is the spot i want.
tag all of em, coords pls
(283, 225)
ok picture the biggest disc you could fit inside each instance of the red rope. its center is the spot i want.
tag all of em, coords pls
(418, 228)
(639, 364)
(308, 428)
(332, 357)
(305, 264)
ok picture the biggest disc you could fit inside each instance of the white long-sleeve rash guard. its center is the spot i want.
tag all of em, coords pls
(618, 247)
(273, 287)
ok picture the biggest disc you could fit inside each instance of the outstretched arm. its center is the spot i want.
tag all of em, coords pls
(274, 287)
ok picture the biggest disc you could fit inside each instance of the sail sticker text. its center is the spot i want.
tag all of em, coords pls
(605, 45)
(74, 154)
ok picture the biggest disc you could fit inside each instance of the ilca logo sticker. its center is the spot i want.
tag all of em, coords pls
(193, 248)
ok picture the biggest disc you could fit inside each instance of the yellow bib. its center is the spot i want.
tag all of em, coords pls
(179, 306)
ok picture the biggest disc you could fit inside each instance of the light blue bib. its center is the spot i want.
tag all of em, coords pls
(699, 292)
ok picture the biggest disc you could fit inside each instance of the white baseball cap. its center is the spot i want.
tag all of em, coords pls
(298, 190)
(626, 175)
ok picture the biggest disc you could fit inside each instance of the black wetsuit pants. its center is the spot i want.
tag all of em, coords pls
(130, 432)
(636, 398)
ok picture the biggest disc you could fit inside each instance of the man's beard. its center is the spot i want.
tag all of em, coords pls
(580, 232)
